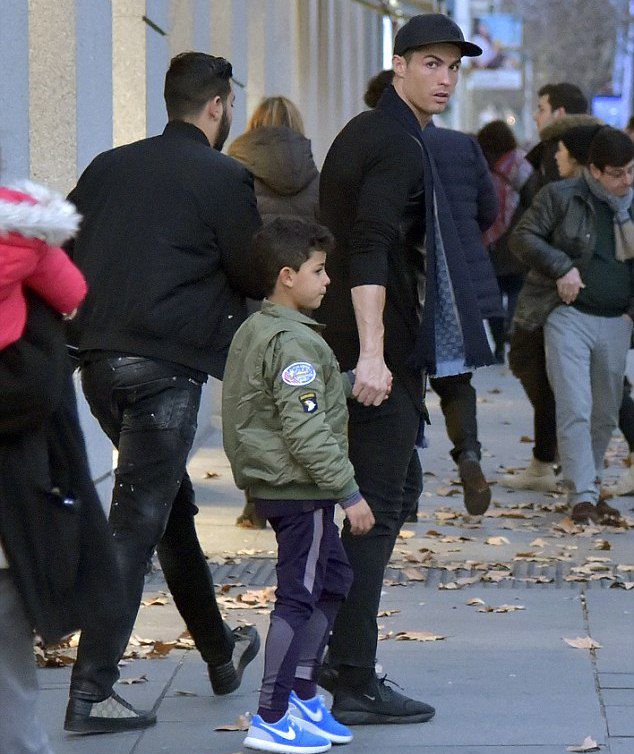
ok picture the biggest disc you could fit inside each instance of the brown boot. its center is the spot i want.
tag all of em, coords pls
(608, 515)
(477, 493)
(583, 513)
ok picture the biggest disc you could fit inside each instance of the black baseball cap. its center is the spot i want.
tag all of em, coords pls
(430, 29)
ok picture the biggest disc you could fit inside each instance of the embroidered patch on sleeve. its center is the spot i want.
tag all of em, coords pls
(298, 374)
(309, 402)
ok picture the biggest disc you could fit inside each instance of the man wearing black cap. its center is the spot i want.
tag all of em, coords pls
(378, 196)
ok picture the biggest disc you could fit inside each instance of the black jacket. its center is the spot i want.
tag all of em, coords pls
(164, 246)
(52, 526)
(371, 199)
(466, 179)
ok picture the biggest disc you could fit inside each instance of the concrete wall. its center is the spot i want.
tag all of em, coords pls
(87, 75)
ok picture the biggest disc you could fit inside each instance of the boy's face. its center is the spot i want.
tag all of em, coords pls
(309, 283)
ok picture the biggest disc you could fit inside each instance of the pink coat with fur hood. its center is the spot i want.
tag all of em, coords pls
(34, 222)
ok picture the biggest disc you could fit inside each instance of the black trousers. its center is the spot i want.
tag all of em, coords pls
(148, 409)
(527, 360)
(381, 443)
(510, 285)
(458, 404)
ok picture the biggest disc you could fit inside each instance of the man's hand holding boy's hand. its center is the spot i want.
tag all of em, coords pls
(360, 517)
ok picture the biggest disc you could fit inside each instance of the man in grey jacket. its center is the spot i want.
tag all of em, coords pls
(578, 240)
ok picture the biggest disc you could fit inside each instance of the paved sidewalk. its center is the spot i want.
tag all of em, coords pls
(502, 683)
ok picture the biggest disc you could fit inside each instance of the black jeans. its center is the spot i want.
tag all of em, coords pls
(501, 326)
(381, 443)
(148, 409)
(527, 360)
(458, 404)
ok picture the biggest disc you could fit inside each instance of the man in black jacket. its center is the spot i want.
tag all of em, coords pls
(164, 246)
(374, 185)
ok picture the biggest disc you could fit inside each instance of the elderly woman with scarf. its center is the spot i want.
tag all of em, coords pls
(578, 241)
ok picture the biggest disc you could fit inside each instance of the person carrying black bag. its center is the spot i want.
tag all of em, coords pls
(56, 558)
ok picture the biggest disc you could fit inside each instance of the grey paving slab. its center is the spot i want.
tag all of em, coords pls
(618, 697)
(611, 619)
(621, 745)
(616, 680)
(621, 722)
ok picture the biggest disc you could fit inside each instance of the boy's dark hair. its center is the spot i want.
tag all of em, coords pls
(192, 79)
(286, 242)
(610, 147)
(565, 95)
(496, 139)
(376, 86)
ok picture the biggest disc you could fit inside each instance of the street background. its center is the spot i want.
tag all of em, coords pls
(502, 682)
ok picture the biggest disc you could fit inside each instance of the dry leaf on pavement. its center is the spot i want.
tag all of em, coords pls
(602, 544)
(180, 692)
(500, 609)
(414, 574)
(622, 585)
(583, 642)
(475, 601)
(568, 526)
(418, 636)
(387, 613)
(160, 599)
(242, 723)
(538, 543)
(496, 541)
(589, 744)
(211, 475)
(406, 534)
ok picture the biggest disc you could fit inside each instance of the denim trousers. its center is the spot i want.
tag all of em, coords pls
(381, 445)
(148, 409)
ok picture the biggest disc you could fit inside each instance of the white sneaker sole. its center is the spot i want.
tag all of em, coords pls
(312, 728)
(261, 745)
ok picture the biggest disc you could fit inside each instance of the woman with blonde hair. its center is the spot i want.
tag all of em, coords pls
(278, 154)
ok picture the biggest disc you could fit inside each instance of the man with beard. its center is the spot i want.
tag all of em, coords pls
(163, 245)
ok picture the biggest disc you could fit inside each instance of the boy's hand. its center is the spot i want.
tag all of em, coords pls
(360, 517)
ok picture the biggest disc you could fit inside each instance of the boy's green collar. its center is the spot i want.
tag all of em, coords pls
(285, 312)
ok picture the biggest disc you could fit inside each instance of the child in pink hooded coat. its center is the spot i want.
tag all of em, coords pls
(34, 222)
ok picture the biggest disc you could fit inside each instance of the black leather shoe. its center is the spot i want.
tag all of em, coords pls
(477, 493)
(112, 715)
(227, 677)
(378, 704)
(328, 678)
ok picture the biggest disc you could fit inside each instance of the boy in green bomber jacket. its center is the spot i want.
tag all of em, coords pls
(285, 433)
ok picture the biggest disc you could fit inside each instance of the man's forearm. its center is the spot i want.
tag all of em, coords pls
(368, 302)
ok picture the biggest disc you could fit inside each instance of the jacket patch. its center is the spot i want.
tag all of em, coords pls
(309, 402)
(298, 374)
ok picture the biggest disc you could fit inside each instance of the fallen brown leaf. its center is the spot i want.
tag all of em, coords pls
(414, 574)
(602, 544)
(180, 692)
(160, 599)
(387, 613)
(418, 636)
(497, 541)
(406, 534)
(500, 609)
(242, 723)
(211, 475)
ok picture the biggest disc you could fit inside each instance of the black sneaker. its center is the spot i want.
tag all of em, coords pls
(112, 715)
(227, 677)
(328, 677)
(477, 493)
(378, 704)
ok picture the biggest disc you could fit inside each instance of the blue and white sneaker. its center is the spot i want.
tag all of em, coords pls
(284, 736)
(313, 715)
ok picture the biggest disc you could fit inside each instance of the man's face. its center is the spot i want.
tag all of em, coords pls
(225, 121)
(428, 80)
(544, 115)
(616, 181)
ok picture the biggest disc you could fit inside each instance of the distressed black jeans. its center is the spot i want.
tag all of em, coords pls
(148, 409)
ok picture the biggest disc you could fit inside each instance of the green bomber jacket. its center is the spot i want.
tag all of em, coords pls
(284, 413)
